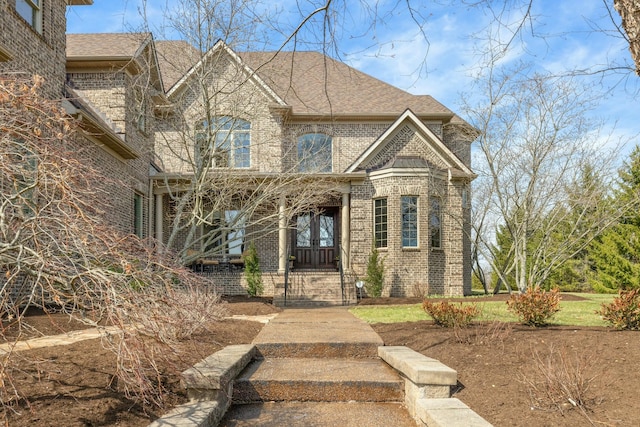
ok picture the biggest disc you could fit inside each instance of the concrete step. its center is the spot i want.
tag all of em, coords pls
(318, 332)
(318, 380)
(295, 414)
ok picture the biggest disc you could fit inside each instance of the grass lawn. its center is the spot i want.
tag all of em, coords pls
(576, 313)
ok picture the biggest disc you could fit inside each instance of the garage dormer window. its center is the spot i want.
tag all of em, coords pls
(31, 11)
(224, 143)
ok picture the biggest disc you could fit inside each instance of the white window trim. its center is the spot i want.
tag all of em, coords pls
(386, 223)
(417, 204)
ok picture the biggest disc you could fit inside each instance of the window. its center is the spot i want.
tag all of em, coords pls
(466, 200)
(225, 234)
(142, 119)
(380, 222)
(435, 223)
(137, 215)
(31, 12)
(225, 143)
(25, 179)
(409, 208)
(314, 153)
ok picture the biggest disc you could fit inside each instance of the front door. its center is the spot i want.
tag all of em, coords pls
(315, 239)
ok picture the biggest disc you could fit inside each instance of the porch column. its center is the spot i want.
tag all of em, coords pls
(282, 237)
(159, 215)
(345, 238)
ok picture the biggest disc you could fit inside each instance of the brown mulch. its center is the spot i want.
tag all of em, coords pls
(73, 385)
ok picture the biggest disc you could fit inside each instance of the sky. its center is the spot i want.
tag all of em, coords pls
(433, 50)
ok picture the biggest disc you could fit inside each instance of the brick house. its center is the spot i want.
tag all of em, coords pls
(397, 165)
(116, 138)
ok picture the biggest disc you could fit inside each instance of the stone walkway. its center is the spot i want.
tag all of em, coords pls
(90, 334)
(61, 339)
(318, 367)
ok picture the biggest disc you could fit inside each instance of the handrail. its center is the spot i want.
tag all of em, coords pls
(286, 276)
(340, 269)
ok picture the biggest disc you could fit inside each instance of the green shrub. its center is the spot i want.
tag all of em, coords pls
(535, 307)
(451, 315)
(374, 280)
(624, 311)
(252, 272)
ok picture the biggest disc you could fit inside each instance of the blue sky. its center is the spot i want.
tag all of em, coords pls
(568, 34)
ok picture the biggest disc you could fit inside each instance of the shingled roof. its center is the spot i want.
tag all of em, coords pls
(105, 45)
(313, 83)
(175, 58)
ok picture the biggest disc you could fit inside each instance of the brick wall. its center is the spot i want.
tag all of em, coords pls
(117, 95)
(33, 52)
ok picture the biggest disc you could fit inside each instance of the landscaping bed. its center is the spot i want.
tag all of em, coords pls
(496, 363)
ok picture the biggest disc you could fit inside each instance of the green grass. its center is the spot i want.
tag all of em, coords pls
(574, 313)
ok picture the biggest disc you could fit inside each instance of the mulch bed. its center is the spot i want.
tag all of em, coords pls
(74, 385)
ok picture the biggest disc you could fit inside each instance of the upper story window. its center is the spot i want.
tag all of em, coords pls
(225, 143)
(314, 153)
(409, 209)
(435, 223)
(31, 11)
(141, 111)
(380, 222)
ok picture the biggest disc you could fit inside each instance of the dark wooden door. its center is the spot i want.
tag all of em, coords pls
(315, 239)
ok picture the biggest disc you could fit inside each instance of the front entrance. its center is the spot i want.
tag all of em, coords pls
(315, 239)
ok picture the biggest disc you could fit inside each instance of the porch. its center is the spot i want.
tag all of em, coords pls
(311, 288)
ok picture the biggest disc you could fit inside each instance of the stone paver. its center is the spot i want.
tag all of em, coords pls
(90, 334)
(61, 339)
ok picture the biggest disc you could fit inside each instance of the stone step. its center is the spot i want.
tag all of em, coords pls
(311, 301)
(344, 414)
(318, 380)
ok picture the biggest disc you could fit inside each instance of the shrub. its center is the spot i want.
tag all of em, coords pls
(535, 307)
(624, 311)
(450, 315)
(561, 378)
(252, 272)
(374, 279)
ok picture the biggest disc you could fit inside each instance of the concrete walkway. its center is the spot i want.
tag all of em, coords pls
(318, 367)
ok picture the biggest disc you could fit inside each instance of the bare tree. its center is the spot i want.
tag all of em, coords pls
(537, 138)
(57, 251)
(225, 170)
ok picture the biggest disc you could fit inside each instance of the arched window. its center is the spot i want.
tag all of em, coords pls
(225, 142)
(314, 153)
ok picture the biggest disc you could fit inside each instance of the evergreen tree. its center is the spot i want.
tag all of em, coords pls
(573, 274)
(374, 280)
(252, 272)
(615, 256)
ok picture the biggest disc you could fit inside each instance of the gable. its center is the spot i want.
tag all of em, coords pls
(409, 138)
(219, 53)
